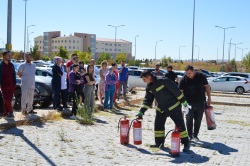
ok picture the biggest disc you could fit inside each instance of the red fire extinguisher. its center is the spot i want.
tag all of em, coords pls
(137, 132)
(124, 130)
(175, 144)
(210, 118)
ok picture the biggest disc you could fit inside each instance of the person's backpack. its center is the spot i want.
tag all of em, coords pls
(1, 102)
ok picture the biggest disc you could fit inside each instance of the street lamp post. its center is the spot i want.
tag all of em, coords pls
(24, 43)
(235, 44)
(193, 34)
(28, 40)
(180, 53)
(242, 49)
(115, 36)
(135, 47)
(9, 26)
(28, 36)
(198, 51)
(155, 48)
(224, 39)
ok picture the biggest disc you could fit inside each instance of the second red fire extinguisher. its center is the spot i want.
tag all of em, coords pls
(210, 118)
(137, 132)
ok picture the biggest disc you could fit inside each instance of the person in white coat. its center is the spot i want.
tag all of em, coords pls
(64, 92)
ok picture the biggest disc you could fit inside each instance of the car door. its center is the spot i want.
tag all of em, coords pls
(218, 84)
(139, 81)
(231, 84)
(131, 82)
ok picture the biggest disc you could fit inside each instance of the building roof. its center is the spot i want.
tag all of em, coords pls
(112, 40)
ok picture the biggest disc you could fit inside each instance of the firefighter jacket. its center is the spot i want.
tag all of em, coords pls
(166, 93)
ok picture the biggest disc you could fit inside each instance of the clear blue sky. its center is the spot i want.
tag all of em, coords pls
(168, 20)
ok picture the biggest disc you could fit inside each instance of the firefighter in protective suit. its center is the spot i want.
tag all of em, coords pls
(169, 99)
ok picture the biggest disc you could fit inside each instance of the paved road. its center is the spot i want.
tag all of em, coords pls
(66, 142)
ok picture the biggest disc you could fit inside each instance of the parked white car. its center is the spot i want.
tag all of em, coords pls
(245, 75)
(229, 84)
(134, 79)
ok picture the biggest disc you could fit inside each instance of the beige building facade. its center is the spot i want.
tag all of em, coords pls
(112, 46)
(51, 41)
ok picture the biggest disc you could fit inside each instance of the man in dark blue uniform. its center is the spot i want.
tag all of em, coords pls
(169, 99)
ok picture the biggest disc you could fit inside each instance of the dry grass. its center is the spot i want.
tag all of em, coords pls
(241, 123)
(51, 116)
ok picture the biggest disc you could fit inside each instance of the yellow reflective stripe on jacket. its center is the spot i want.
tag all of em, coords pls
(145, 106)
(160, 133)
(150, 91)
(158, 109)
(174, 106)
(160, 88)
(181, 96)
(183, 134)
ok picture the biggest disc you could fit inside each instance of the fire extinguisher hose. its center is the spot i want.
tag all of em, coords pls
(119, 124)
(166, 137)
(129, 130)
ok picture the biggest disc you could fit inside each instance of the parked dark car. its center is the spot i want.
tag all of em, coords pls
(42, 94)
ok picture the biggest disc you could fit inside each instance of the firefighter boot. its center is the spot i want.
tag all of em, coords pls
(186, 148)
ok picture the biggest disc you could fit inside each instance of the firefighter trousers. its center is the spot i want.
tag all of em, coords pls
(160, 121)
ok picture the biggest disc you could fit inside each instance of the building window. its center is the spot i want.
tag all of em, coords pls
(114, 49)
(106, 49)
(55, 47)
(58, 41)
(65, 47)
(55, 41)
(62, 41)
(106, 44)
(119, 49)
(52, 41)
(119, 45)
(73, 47)
(102, 43)
(110, 44)
(40, 41)
(69, 47)
(40, 47)
(78, 47)
(69, 41)
(110, 49)
(73, 41)
(65, 41)
(115, 44)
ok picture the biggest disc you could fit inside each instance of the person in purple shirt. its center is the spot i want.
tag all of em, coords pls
(123, 79)
(110, 81)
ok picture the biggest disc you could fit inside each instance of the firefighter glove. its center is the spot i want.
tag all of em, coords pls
(139, 115)
(185, 104)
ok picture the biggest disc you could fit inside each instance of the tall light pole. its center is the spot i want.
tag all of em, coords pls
(9, 26)
(235, 44)
(135, 47)
(180, 53)
(28, 36)
(24, 43)
(198, 51)
(28, 40)
(223, 39)
(242, 49)
(3, 42)
(155, 48)
(193, 35)
(115, 35)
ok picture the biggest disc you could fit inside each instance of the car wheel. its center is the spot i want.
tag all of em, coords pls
(18, 96)
(46, 102)
(240, 90)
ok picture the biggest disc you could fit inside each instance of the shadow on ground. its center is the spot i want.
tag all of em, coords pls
(220, 147)
(19, 133)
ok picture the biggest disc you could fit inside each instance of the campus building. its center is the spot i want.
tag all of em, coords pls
(104, 45)
(51, 41)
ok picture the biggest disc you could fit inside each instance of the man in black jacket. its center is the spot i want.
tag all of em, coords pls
(169, 99)
(56, 83)
(172, 75)
(194, 85)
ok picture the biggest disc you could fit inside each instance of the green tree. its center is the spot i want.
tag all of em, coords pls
(36, 55)
(246, 62)
(166, 60)
(234, 65)
(121, 57)
(103, 56)
(45, 58)
(63, 52)
(84, 56)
